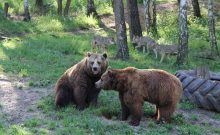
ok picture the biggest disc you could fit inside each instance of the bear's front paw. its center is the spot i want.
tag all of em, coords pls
(124, 118)
(134, 122)
(81, 107)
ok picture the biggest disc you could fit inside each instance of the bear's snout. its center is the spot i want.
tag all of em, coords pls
(95, 68)
(98, 84)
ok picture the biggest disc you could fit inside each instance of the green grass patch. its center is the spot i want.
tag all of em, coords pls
(187, 129)
(36, 56)
(58, 24)
(186, 104)
(14, 28)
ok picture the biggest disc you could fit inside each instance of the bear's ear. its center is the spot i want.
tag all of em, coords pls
(104, 55)
(88, 54)
(111, 73)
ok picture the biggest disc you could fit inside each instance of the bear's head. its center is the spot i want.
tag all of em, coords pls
(96, 64)
(107, 80)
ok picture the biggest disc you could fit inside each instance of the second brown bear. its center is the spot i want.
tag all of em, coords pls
(138, 85)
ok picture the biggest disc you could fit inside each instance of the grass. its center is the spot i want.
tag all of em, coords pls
(187, 105)
(45, 47)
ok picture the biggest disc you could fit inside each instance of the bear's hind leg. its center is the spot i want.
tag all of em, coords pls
(165, 113)
(63, 97)
(80, 97)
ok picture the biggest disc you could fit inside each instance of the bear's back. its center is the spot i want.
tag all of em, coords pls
(159, 84)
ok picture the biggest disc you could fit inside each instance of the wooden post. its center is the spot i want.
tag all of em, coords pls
(203, 72)
(6, 9)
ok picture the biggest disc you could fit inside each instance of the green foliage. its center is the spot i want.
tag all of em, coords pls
(32, 122)
(151, 124)
(15, 6)
(76, 6)
(216, 116)
(140, 1)
(58, 24)
(24, 58)
(188, 129)
(194, 117)
(17, 130)
(10, 27)
(178, 118)
(23, 73)
(2, 129)
(186, 104)
(166, 21)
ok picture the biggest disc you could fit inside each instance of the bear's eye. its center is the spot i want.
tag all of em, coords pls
(99, 62)
(92, 63)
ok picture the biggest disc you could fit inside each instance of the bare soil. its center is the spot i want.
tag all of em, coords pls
(18, 101)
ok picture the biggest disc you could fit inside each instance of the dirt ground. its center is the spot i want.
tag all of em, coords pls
(18, 102)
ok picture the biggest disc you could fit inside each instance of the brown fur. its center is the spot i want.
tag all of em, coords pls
(138, 85)
(77, 84)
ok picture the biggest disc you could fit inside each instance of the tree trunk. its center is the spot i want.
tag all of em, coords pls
(122, 48)
(26, 11)
(133, 19)
(39, 4)
(154, 23)
(6, 9)
(91, 8)
(147, 14)
(112, 2)
(67, 7)
(183, 34)
(59, 10)
(211, 23)
(196, 9)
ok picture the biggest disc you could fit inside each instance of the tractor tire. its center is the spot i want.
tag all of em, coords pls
(204, 93)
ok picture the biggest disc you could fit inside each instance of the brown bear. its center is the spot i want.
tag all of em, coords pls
(77, 84)
(138, 85)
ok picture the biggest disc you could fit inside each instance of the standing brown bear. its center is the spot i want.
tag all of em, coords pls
(77, 84)
(138, 85)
